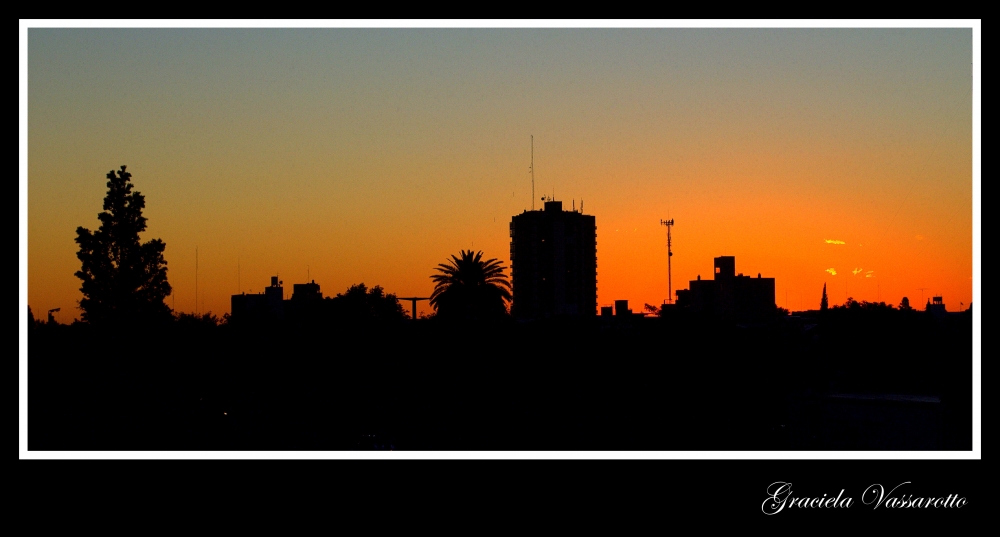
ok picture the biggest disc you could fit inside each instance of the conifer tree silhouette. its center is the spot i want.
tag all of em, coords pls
(124, 281)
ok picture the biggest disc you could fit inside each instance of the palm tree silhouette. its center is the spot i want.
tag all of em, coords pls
(470, 287)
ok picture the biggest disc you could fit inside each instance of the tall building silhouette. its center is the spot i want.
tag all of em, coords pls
(553, 256)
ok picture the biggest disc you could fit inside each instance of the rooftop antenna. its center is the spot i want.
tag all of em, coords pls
(581, 205)
(670, 253)
(922, 289)
(307, 273)
(532, 170)
(238, 282)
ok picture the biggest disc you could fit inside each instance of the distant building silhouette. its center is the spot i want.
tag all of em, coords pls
(553, 255)
(306, 292)
(308, 305)
(272, 305)
(936, 307)
(729, 294)
(260, 306)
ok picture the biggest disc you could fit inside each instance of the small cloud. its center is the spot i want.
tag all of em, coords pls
(919, 237)
(870, 274)
(856, 271)
(832, 271)
(834, 241)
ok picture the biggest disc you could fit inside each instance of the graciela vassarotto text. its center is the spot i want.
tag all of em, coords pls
(780, 497)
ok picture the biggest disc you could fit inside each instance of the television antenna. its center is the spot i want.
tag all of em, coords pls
(532, 170)
(922, 289)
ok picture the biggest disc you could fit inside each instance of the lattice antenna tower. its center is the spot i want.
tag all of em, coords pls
(670, 254)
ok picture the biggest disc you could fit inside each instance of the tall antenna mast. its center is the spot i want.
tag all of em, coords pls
(196, 280)
(670, 253)
(532, 172)
(238, 282)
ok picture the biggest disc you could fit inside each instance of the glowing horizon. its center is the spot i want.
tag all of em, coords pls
(837, 156)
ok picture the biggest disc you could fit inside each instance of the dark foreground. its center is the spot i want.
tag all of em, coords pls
(890, 380)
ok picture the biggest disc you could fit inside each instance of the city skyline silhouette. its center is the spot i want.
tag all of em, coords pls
(306, 165)
(353, 239)
(749, 375)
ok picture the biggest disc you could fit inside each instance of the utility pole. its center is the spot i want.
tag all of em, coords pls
(414, 299)
(670, 253)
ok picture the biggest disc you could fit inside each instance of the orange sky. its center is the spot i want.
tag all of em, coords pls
(358, 155)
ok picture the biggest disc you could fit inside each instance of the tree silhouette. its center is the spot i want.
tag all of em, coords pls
(124, 281)
(360, 303)
(470, 287)
(824, 303)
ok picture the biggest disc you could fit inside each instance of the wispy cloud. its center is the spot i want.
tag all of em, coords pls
(870, 274)
(832, 271)
(834, 241)
(856, 271)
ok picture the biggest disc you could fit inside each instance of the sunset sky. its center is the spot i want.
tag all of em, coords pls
(372, 155)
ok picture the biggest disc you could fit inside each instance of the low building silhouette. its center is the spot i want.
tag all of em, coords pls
(553, 256)
(306, 292)
(935, 306)
(271, 305)
(729, 294)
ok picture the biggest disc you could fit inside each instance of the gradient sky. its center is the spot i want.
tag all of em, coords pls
(371, 155)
